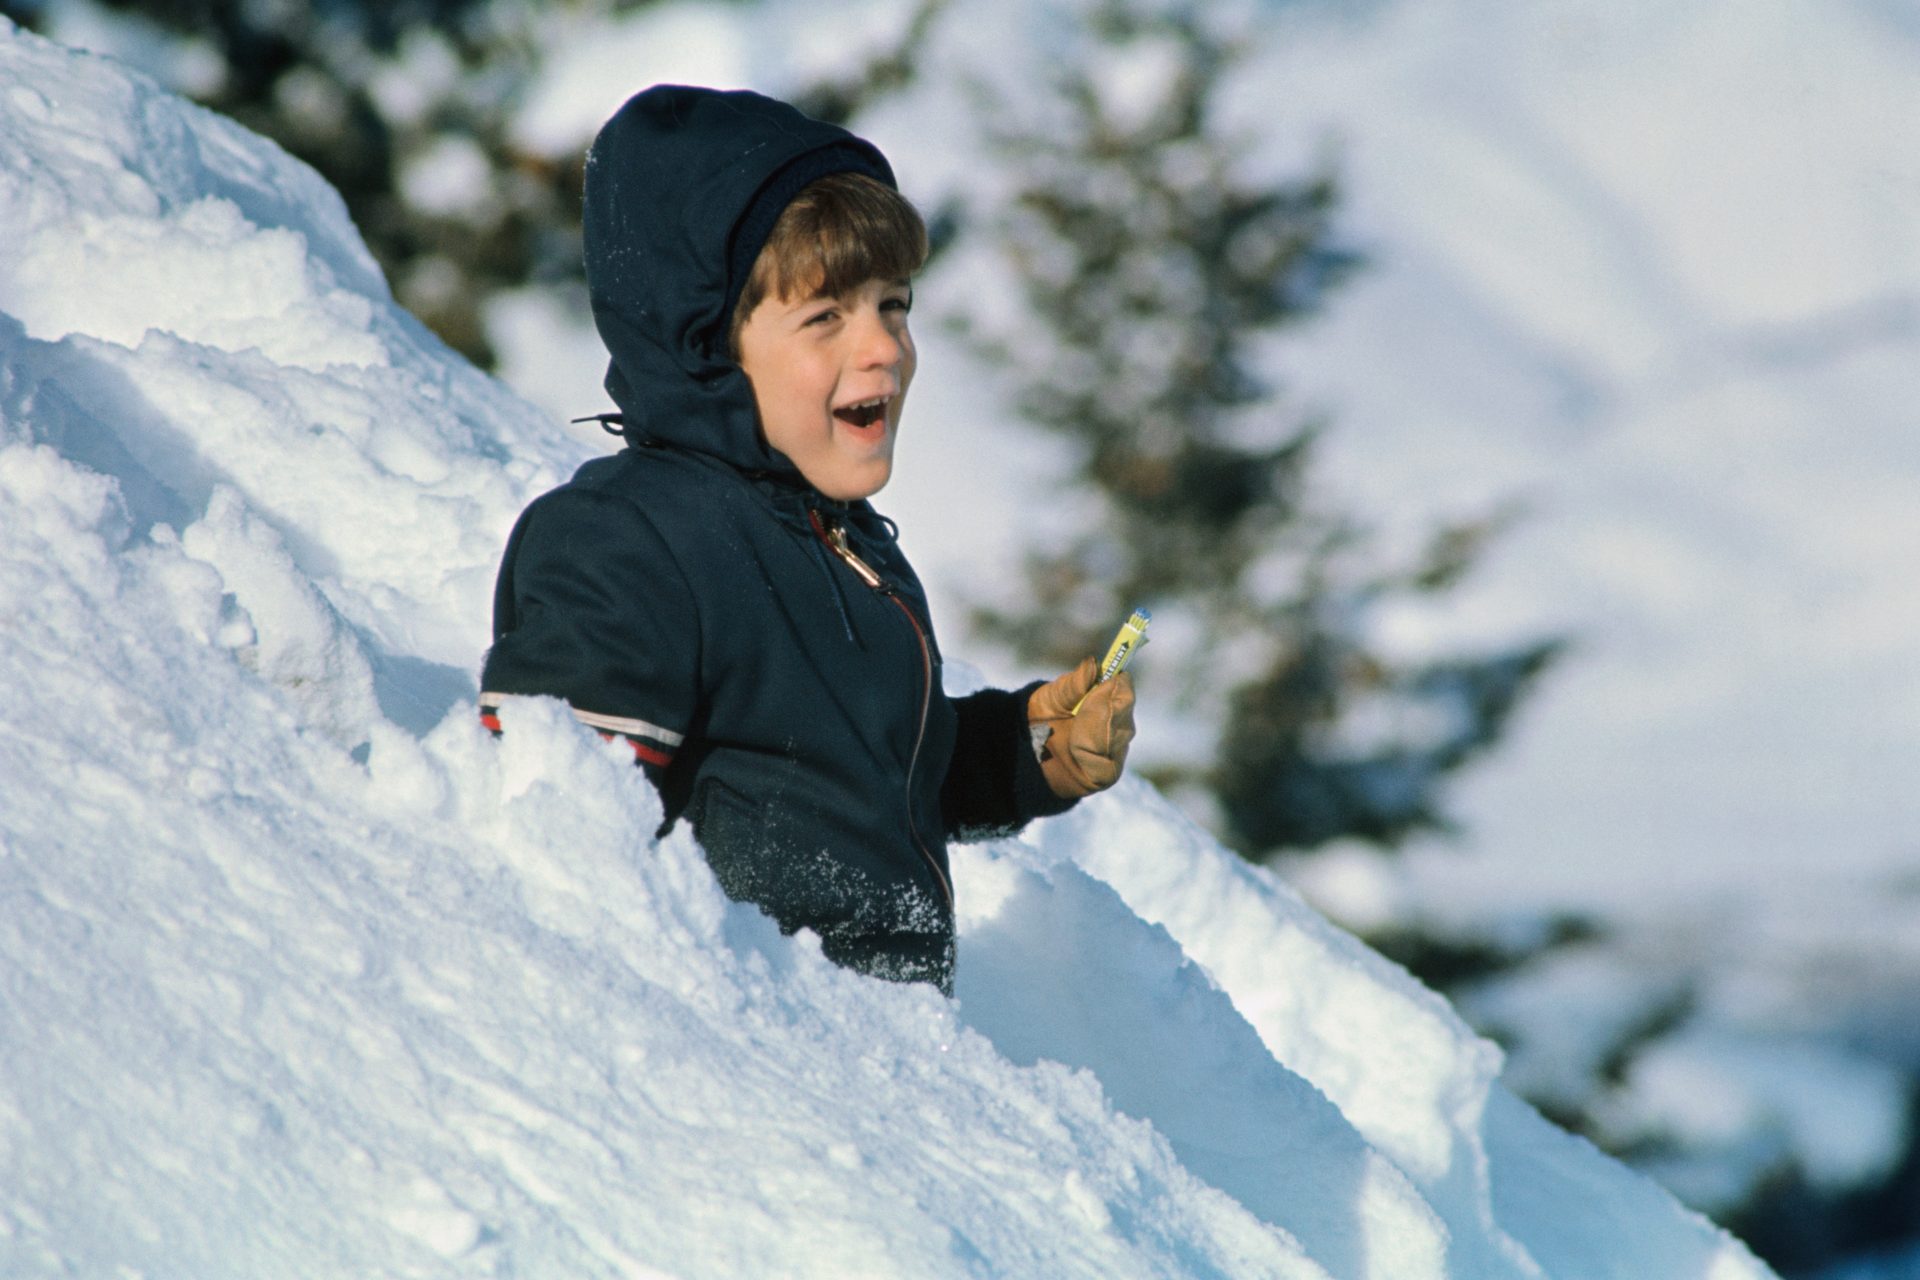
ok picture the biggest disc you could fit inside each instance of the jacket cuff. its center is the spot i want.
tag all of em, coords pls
(1032, 796)
(994, 784)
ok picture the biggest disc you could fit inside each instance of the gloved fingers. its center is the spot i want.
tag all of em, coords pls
(1096, 769)
(1105, 720)
(1119, 692)
(1084, 751)
(1121, 733)
(1101, 734)
(1095, 741)
(1055, 699)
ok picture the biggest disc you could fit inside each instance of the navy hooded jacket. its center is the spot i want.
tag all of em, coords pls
(767, 650)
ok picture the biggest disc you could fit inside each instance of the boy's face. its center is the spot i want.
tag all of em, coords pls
(830, 377)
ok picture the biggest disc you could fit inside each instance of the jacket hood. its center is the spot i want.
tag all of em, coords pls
(683, 186)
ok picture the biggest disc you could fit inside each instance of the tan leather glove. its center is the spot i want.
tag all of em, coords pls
(1084, 753)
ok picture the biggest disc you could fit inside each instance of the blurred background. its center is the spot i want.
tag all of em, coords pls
(1511, 414)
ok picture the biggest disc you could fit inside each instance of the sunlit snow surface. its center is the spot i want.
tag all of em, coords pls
(303, 974)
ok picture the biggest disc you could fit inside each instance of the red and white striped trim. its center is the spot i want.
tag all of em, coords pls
(651, 742)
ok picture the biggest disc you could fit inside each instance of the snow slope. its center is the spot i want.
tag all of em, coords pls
(302, 973)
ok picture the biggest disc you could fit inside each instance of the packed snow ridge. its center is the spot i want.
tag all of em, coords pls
(301, 973)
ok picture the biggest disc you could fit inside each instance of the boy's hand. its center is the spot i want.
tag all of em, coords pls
(1084, 753)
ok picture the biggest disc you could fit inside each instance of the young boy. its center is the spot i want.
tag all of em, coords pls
(721, 594)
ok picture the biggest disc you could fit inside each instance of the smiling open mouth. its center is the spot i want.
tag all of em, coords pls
(865, 413)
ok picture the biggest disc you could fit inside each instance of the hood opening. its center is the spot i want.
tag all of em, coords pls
(683, 186)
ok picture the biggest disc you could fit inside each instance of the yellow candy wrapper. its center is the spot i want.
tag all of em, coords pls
(1132, 634)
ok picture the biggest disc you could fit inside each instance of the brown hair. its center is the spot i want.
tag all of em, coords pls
(838, 233)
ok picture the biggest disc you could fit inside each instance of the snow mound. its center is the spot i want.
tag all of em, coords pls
(305, 974)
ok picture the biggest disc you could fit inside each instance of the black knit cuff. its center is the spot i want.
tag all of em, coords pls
(994, 785)
(1033, 798)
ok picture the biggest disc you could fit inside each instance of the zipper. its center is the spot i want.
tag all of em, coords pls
(835, 536)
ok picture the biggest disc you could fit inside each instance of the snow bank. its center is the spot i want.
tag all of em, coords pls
(302, 973)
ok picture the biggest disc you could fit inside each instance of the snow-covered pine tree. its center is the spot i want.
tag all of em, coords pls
(1151, 268)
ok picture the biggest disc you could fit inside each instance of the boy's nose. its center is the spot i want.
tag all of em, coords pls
(879, 346)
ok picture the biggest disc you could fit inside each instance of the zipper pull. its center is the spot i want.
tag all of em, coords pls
(836, 536)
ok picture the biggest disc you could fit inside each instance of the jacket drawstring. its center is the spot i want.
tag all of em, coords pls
(614, 424)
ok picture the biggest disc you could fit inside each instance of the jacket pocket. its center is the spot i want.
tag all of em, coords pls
(752, 849)
(732, 829)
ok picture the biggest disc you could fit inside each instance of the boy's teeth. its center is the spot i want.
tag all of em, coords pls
(863, 413)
